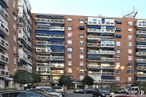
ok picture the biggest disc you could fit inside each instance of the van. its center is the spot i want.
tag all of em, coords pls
(133, 90)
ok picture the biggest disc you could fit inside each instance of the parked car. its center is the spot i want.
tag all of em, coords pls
(133, 90)
(122, 91)
(89, 91)
(78, 90)
(16, 93)
(58, 89)
(101, 93)
(49, 91)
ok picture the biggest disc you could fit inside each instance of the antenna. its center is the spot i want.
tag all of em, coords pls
(131, 14)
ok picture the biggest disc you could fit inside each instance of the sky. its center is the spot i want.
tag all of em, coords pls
(110, 8)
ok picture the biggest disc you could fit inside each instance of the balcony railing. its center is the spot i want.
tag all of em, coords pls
(4, 43)
(3, 73)
(141, 60)
(141, 24)
(93, 44)
(50, 36)
(100, 67)
(49, 43)
(141, 32)
(3, 28)
(3, 12)
(50, 28)
(141, 68)
(58, 21)
(141, 46)
(141, 53)
(141, 75)
(48, 58)
(100, 30)
(101, 52)
(92, 37)
(107, 59)
(141, 39)
(3, 58)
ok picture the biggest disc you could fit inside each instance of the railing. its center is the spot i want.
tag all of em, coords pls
(4, 43)
(141, 53)
(3, 12)
(50, 28)
(60, 21)
(3, 58)
(100, 67)
(93, 44)
(141, 32)
(141, 67)
(3, 28)
(50, 36)
(141, 23)
(100, 52)
(141, 60)
(141, 46)
(141, 39)
(100, 30)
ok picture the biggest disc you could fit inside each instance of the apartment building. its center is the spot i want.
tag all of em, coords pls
(49, 59)
(108, 49)
(140, 59)
(24, 28)
(4, 45)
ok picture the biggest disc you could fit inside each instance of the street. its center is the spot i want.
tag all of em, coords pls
(77, 95)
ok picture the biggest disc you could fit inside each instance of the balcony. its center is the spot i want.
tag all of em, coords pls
(3, 58)
(141, 46)
(3, 28)
(50, 36)
(93, 30)
(3, 13)
(100, 21)
(57, 66)
(141, 24)
(141, 53)
(93, 37)
(141, 39)
(141, 75)
(101, 52)
(57, 72)
(140, 60)
(45, 20)
(50, 58)
(104, 59)
(3, 43)
(100, 67)
(141, 32)
(93, 44)
(142, 68)
(49, 43)
(5, 3)
(107, 73)
(48, 28)
(3, 73)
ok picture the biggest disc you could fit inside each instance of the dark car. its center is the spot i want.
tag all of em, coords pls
(88, 91)
(16, 93)
(101, 93)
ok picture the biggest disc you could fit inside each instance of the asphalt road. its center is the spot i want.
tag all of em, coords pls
(77, 95)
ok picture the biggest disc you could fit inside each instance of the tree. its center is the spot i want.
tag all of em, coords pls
(88, 80)
(65, 80)
(36, 78)
(22, 77)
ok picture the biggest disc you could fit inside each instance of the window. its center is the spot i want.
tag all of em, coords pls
(129, 29)
(81, 20)
(69, 49)
(118, 29)
(130, 23)
(69, 42)
(81, 63)
(69, 20)
(117, 78)
(130, 44)
(81, 56)
(69, 56)
(69, 34)
(118, 21)
(81, 35)
(129, 51)
(129, 37)
(82, 50)
(81, 43)
(118, 36)
(81, 77)
(69, 63)
(129, 71)
(69, 28)
(118, 43)
(129, 58)
(118, 51)
(15, 38)
(129, 78)
(15, 61)
(69, 70)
